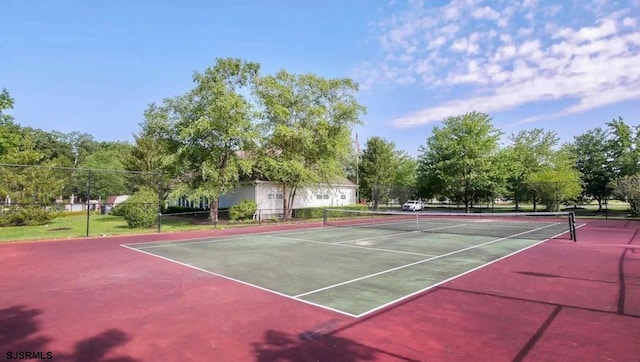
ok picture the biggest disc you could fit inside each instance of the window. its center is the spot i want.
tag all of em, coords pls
(274, 196)
(343, 197)
(326, 197)
(319, 196)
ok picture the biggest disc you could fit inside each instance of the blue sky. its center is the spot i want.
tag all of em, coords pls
(567, 66)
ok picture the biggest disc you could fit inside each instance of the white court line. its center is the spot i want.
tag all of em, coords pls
(408, 232)
(377, 237)
(455, 277)
(232, 236)
(353, 246)
(419, 262)
(179, 243)
(242, 282)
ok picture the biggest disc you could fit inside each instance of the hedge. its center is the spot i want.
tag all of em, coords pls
(318, 212)
(244, 210)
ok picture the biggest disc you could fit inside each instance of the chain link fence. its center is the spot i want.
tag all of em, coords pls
(70, 202)
(530, 196)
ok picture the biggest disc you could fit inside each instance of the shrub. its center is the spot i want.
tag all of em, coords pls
(141, 209)
(119, 210)
(25, 216)
(180, 209)
(243, 210)
(318, 212)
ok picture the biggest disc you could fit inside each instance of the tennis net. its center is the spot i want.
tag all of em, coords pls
(538, 225)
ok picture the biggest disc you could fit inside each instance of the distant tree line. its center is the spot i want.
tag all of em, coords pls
(462, 161)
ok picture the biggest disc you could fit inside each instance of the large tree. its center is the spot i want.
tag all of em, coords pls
(30, 179)
(148, 158)
(404, 184)
(557, 181)
(9, 131)
(210, 131)
(378, 170)
(107, 174)
(592, 154)
(306, 130)
(623, 147)
(459, 159)
(528, 153)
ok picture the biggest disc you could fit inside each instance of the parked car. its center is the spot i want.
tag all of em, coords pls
(413, 205)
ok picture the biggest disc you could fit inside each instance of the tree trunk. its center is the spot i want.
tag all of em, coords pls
(214, 204)
(292, 196)
(285, 202)
(599, 203)
(535, 204)
(466, 206)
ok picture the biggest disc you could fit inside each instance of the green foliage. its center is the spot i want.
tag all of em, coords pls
(119, 210)
(318, 212)
(460, 159)
(180, 209)
(243, 210)
(556, 183)
(623, 148)
(306, 130)
(594, 163)
(141, 209)
(529, 152)
(107, 176)
(209, 131)
(628, 188)
(25, 216)
(378, 170)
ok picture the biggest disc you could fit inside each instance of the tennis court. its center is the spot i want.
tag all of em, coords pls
(361, 262)
(374, 287)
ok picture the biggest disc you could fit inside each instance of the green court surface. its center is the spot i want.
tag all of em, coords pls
(353, 271)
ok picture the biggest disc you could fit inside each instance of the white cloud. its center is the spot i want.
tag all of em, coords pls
(528, 52)
(486, 13)
(629, 22)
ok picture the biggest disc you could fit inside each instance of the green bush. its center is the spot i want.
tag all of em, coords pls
(141, 209)
(243, 210)
(180, 209)
(25, 216)
(318, 212)
(119, 210)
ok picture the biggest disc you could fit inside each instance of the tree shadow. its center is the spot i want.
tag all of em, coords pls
(310, 346)
(20, 332)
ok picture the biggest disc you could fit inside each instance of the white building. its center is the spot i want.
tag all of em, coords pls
(268, 196)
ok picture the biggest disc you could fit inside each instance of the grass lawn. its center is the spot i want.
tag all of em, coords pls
(99, 225)
(105, 225)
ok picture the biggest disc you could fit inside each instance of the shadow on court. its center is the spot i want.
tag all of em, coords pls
(20, 332)
(309, 346)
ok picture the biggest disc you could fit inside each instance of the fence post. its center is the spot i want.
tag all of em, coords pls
(160, 200)
(88, 200)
